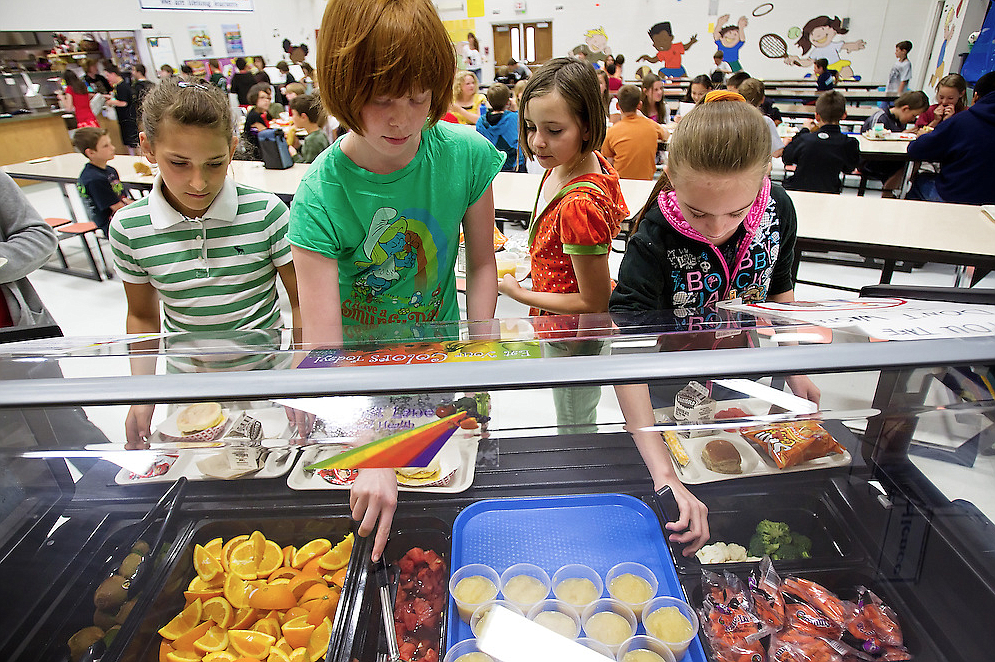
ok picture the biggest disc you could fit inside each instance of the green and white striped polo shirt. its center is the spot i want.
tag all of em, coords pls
(213, 273)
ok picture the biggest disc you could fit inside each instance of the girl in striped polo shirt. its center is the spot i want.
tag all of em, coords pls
(207, 248)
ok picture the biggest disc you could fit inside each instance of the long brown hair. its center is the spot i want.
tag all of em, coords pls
(577, 83)
(73, 82)
(660, 108)
(717, 137)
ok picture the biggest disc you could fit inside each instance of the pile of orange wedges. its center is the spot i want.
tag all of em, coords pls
(253, 600)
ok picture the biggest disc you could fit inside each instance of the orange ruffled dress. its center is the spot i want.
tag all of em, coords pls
(582, 219)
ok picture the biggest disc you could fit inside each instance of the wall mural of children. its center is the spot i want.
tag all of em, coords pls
(822, 38)
(668, 52)
(595, 46)
(948, 33)
(729, 39)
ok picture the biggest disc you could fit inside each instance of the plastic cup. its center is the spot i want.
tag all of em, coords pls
(596, 646)
(466, 608)
(639, 570)
(524, 570)
(605, 606)
(558, 607)
(506, 264)
(477, 618)
(577, 571)
(678, 648)
(467, 647)
(646, 643)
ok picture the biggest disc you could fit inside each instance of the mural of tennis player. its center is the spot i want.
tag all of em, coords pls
(729, 39)
(822, 38)
(668, 52)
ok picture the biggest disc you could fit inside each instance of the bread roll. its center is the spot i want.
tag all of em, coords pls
(202, 416)
(722, 457)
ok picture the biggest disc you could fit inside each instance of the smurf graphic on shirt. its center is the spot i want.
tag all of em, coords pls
(387, 250)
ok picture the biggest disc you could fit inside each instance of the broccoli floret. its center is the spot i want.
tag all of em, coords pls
(804, 544)
(773, 530)
(757, 545)
(777, 540)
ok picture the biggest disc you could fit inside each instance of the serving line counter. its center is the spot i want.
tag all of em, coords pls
(874, 517)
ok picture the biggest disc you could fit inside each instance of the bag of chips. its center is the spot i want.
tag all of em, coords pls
(789, 444)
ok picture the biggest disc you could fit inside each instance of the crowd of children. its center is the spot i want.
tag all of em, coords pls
(371, 219)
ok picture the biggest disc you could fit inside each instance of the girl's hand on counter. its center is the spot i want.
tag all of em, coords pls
(509, 286)
(138, 427)
(301, 422)
(693, 518)
(374, 496)
(804, 387)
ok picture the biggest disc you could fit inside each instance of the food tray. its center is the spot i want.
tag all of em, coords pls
(184, 461)
(599, 530)
(870, 135)
(755, 461)
(462, 448)
(172, 581)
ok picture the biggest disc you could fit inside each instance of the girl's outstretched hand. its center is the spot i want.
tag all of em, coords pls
(374, 496)
(804, 387)
(691, 528)
(509, 286)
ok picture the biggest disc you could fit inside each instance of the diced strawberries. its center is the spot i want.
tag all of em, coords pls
(419, 604)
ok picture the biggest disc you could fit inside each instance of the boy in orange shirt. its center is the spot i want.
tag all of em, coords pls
(630, 144)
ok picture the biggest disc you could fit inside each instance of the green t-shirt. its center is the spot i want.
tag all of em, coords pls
(395, 236)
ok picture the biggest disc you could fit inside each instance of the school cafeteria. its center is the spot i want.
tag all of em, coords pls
(633, 331)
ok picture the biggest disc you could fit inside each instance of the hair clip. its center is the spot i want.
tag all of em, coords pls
(199, 86)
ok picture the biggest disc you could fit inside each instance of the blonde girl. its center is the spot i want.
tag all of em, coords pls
(951, 98)
(714, 228)
(467, 99)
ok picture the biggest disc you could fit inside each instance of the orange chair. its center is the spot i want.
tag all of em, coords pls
(67, 228)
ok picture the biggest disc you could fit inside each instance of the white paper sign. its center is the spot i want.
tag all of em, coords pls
(208, 5)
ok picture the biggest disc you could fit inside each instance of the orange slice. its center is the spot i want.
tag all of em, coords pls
(322, 608)
(243, 618)
(293, 613)
(251, 643)
(313, 593)
(270, 626)
(318, 643)
(220, 611)
(271, 561)
(198, 584)
(288, 555)
(284, 573)
(258, 541)
(214, 548)
(316, 548)
(338, 577)
(207, 566)
(203, 596)
(183, 656)
(242, 561)
(186, 640)
(273, 596)
(214, 640)
(220, 656)
(303, 582)
(338, 556)
(313, 567)
(182, 622)
(227, 549)
(235, 591)
(297, 631)
(277, 655)
(164, 650)
(282, 644)
(300, 655)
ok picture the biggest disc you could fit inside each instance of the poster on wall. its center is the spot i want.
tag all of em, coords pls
(200, 40)
(233, 39)
(161, 50)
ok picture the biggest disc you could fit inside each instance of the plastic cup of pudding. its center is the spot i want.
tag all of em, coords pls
(471, 586)
(609, 621)
(596, 646)
(644, 648)
(466, 651)
(524, 585)
(556, 616)
(632, 584)
(479, 616)
(662, 620)
(506, 264)
(578, 585)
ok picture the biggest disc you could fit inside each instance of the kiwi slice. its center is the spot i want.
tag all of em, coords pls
(122, 614)
(79, 642)
(141, 548)
(111, 593)
(104, 620)
(129, 566)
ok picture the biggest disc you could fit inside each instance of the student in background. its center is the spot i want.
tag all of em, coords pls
(606, 95)
(205, 248)
(720, 69)
(820, 150)
(294, 90)
(257, 119)
(901, 71)
(501, 75)
(962, 145)
(951, 98)
(904, 111)
(93, 78)
(699, 87)
(752, 90)
(654, 105)
(217, 76)
(516, 96)
(500, 127)
(371, 216)
(99, 184)
(307, 114)
(166, 72)
(140, 83)
(631, 143)
(467, 99)
(242, 81)
(186, 73)
(75, 98)
(824, 78)
(713, 217)
(735, 80)
(518, 69)
(127, 107)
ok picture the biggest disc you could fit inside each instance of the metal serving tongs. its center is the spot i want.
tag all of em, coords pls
(387, 610)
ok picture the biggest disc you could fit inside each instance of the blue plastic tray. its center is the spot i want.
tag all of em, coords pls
(599, 530)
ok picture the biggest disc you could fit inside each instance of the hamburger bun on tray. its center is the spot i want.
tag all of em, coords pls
(204, 421)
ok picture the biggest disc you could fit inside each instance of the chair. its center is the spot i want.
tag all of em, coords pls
(67, 228)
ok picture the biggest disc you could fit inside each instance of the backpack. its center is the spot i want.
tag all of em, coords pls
(273, 149)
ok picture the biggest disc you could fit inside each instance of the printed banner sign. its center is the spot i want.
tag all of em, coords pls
(204, 5)
(423, 353)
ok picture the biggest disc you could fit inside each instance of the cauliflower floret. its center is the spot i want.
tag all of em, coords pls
(721, 552)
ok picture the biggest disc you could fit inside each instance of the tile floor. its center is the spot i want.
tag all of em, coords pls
(90, 308)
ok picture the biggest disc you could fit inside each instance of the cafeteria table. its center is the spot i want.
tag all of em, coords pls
(853, 97)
